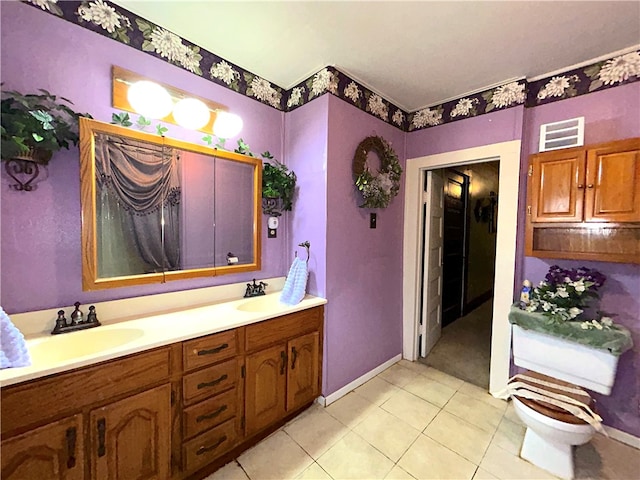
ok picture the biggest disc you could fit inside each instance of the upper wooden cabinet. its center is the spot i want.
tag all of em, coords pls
(584, 203)
(599, 184)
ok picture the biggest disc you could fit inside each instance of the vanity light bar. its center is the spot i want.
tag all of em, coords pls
(121, 79)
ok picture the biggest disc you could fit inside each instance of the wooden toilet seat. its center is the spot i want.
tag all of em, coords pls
(553, 411)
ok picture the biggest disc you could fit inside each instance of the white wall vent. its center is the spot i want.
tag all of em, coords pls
(564, 134)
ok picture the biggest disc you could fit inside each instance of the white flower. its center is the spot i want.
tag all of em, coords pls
(508, 94)
(224, 72)
(554, 87)
(463, 107)
(546, 306)
(101, 14)
(385, 182)
(377, 106)
(262, 90)
(579, 287)
(585, 325)
(398, 117)
(296, 97)
(167, 44)
(620, 68)
(190, 59)
(596, 324)
(562, 292)
(44, 4)
(425, 117)
(324, 81)
(352, 92)
(606, 321)
(574, 312)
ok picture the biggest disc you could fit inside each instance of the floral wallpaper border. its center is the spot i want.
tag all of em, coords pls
(121, 25)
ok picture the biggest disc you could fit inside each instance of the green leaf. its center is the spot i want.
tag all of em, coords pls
(208, 139)
(592, 71)
(144, 27)
(161, 130)
(147, 46)
(595, 85)
(37, 137)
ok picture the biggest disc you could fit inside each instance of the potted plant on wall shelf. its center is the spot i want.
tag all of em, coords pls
(34, 126)
(278, 187)
(278, 183)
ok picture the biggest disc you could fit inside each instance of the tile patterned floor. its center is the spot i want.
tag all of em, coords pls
(413, 422)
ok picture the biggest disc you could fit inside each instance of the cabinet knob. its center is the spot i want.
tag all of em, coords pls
(580, 185)
(590, 185)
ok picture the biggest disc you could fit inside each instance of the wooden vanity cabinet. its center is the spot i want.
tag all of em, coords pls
(174, 412)
(584, 203)
(283, 367)
(110, 420)
(54, 451)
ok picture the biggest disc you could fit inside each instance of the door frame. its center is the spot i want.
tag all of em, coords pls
(508, 154)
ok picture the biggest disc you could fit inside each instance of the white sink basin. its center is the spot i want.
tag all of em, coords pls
(66, 346)
(262, 304)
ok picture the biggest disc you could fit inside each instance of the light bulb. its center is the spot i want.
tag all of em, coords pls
(227, 125)
(191, 113)
(149, 99)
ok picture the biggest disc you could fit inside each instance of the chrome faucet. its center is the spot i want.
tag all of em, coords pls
(255, 289)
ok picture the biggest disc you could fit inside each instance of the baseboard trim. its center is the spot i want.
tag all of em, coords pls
(623, 437)
(329, 399)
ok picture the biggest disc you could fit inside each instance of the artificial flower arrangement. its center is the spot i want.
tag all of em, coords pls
(563, 305)
(565, 295)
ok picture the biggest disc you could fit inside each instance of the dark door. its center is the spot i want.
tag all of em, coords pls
(456, 189)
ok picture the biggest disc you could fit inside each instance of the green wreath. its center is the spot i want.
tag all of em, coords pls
(377, 190)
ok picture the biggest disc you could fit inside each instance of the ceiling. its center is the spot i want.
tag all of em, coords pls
(414, 54)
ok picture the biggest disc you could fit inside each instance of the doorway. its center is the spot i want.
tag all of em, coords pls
(469, 197)
(508, 154)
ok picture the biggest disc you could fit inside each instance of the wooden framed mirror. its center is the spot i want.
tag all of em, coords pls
(156, 209)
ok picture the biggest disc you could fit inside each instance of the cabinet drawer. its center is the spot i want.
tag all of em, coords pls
(209, 381)
(269, 332)
(209, 413)
(210, 349)
(205, 448)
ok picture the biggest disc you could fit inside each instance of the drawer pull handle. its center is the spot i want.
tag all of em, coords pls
(212, 383)
(102, 427)
(580, 185)
(590, 185)
(213, 351)
(283, 357)
(209, 416)
(71, 447)
(204, 449)
(294, 357)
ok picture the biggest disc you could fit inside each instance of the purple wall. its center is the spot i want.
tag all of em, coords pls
(496, 127)
(609, 115)
(364, 266)
(40, 251)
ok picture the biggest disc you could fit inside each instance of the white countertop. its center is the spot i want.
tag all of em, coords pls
(146, 332)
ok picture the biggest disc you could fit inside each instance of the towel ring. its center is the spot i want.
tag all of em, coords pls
(306, 245)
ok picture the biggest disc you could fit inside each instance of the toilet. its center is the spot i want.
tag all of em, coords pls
(551, 431)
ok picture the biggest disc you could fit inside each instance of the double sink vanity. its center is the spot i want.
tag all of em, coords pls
(169, 395)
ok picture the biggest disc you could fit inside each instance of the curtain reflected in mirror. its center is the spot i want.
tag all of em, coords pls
(157, 209)
(138, 191)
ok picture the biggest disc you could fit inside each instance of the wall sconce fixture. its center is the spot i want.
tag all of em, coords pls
(133, 92)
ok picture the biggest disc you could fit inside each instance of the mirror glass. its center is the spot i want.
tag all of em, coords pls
(156, 209)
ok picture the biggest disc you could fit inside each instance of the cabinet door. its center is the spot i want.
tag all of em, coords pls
(131, 439)
(302, 377)
(54, 451)
(557, 186)
(613, 183)
(265, 389)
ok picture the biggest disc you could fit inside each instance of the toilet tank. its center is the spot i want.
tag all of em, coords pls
(569, 361)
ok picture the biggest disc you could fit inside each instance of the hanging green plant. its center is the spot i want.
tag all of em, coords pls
(34, 126)
(278, 186)
(377, 189)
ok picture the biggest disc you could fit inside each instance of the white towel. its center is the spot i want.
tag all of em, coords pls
(13, 349)
(295, 285)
